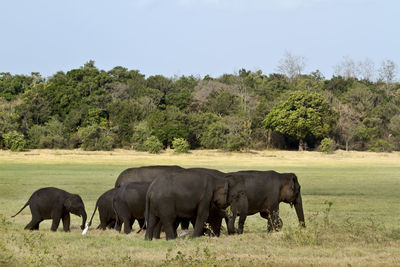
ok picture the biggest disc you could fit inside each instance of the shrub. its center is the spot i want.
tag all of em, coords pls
(95, 137)
(153, 145)
(236, 143)
(381, 145)
(327, 145)
(14, 141)
(180, 145)
(141, 133)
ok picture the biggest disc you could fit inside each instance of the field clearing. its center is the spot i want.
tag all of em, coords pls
(351, 205)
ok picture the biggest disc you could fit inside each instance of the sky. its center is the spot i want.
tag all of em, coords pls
(195, 37)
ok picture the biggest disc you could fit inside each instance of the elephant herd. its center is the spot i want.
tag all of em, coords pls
(161, 198)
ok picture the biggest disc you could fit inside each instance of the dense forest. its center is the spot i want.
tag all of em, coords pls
(95, 109)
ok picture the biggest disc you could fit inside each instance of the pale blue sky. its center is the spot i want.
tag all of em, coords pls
(183, 37)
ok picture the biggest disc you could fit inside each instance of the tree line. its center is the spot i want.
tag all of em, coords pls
(95, 109)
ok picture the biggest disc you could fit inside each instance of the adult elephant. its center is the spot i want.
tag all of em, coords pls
(188, 194)
(106, 212)
(237, 200)
(129, 203)
(266, 189)
(56, 204)
(144, 174)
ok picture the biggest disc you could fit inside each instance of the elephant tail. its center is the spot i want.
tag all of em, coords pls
(26, 204)
(146, 212)
(94, 212)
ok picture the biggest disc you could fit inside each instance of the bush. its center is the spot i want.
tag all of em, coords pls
(95, 137)
(180, 145)
(141, 133)
(381, 145)
(327, 145)
(215, 136)
(153, 145)
(14, 141)
(236, 143)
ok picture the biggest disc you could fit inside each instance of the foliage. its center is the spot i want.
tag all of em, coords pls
(327, 145)
(153, 145)
(208, 112)
(215, 136)
(140, 134)
(180, 145)
(302, 114)
(381, 145)
(14, 141)
(95, 137)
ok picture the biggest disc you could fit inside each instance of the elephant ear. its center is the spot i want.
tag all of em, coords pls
(68, 204)
(220, 196)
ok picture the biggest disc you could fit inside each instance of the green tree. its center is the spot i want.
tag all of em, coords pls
(302, 114)
(215, 136)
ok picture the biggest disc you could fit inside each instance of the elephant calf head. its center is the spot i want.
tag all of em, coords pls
(74, 204)
(290, 193)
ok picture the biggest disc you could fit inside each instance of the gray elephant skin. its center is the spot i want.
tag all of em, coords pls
(144, 174)
(106, 212)
(129, 204)
(186, 194)
(56, 204)
(266, 189)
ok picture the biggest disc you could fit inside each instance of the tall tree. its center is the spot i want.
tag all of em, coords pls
(302, 114)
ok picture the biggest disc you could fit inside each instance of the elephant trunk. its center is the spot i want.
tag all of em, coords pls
(298, 205)
(84, 217)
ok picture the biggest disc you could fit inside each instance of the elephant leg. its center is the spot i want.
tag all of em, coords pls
(215, 224)
(168, 228)
(201, 218)
(56, 220)
(267, 216)
(110, 224)
(118, 224)
(66, 222)
(142, 224)
(151, 225)
(184, 224)
(33, 224)
(127, 225)
(157, 230)
(36, 227)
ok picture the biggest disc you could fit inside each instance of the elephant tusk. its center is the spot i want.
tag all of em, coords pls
(85, 230)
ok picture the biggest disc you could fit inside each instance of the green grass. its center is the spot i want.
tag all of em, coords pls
(351, 203)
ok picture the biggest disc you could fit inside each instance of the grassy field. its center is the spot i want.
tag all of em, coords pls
(351, 204)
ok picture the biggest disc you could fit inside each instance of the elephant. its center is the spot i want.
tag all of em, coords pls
(56, 204)
(238, 203)
(189, 194)
(129, 204)
(148, 174)
(266, 189)
(106, 211)
(144, 174)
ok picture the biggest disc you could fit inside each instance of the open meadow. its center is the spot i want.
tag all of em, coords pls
(351, 204)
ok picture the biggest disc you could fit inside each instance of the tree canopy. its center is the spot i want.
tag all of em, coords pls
(95, 109)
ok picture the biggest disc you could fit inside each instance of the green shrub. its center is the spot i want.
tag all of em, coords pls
(180, 145)
(381, 145)
(236, 143)
(153, 145)
(327, 145)
(215, 136)
(14, 141)
(140, 134)
(95, 137)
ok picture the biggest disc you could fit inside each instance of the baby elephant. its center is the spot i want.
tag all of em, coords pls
(56, 204)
